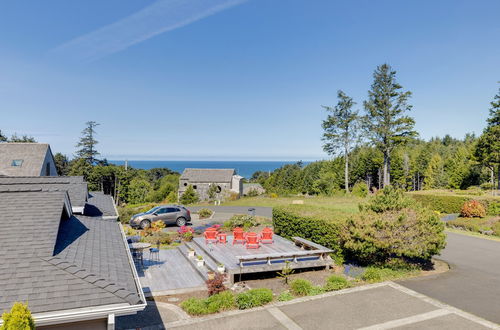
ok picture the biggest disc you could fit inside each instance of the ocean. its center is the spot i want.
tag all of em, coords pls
(243, 168)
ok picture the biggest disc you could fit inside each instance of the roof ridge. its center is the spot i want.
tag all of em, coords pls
(95, 279)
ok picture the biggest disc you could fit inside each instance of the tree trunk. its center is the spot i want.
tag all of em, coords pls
(387, 169)
(498, 178)
(346, 172)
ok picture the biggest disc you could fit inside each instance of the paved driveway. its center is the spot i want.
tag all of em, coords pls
(379, 306)
(259, 210)
(473, 282)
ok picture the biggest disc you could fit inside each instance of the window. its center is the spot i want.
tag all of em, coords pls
(47, 169)
(185, 184)
(17, 162)
(172, 210)
(195, 187)
(162, 210)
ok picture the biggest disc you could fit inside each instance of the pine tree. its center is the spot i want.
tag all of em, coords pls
(189, 196)
(3, 138)
(341, 130)
(87, 143)
(385, 123)
(62, 164)
(434, 173)
(488, 146)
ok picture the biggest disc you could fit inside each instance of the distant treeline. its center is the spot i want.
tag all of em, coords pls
(438, 163)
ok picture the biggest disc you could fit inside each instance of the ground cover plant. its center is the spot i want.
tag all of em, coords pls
(205, 213)
(254, 298)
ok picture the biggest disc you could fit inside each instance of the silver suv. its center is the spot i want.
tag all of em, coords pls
(169, 214)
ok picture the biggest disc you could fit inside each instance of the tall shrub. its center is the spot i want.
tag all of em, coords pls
(19, 318)
(189, 196)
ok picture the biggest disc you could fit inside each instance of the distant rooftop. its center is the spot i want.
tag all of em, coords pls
(26, 159)
(208, 175)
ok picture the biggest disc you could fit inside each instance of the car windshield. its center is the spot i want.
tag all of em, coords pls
(152, 210)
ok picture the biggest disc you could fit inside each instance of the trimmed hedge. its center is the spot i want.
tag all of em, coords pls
(453, 204)
(288, 223)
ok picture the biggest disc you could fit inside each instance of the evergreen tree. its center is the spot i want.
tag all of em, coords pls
(62, 164)
(87, 143)
(22, 139)
(385, 123)
(3, 138)
(488, 146)
(434, 173)
(341, 130)
(189, 196)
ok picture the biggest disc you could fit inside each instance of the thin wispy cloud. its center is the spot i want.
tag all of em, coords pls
(157, 18)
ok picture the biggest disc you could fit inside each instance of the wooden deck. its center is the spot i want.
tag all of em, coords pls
(268, 257)
(172, 274)
(176, 273)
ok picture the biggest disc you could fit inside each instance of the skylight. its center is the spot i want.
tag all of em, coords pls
(17, 162)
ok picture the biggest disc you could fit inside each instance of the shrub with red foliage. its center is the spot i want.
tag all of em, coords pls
(216, 284)
(473, 209)
(184, 229)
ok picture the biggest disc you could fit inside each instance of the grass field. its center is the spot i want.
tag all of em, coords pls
(342, 204)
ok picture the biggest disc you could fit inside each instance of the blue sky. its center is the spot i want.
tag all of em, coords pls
(235, 79)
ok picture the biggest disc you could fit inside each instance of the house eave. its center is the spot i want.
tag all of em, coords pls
(85, 314)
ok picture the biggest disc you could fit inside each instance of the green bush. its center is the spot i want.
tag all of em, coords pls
(19, 318)
(195, 306)
(387, 199)
(213, 304)
(285, 296)
(360, 189)
(288, 223)
(496, 228)
(453, 204)
(336, 282)
(241, 220)
(408, 233)
(254, 298)
(316, 290)
(162, 237)
(205, 213)
(301, 287)
(441, 203)
(221, 302)
(379, 274)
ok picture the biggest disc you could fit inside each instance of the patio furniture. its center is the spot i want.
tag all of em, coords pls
(238, 235)
(266, 236)
(210, 235)
(133, 239)
(222, 238)
(252, 240)
(154, 253)
(137, 251)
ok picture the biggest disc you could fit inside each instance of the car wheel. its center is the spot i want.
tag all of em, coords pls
(180, 222)
(145, 224)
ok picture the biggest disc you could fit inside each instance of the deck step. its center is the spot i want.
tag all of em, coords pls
(210, 262)
(202, 271)
(205, 251)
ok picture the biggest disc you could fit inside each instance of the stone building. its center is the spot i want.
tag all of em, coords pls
(226, 181)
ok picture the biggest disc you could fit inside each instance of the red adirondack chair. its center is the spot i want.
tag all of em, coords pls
(238, 235)
(210, 235)
(252, 241)
(266, 236)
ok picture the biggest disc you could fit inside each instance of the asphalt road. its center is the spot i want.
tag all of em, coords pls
(473, 282)
(259, 210)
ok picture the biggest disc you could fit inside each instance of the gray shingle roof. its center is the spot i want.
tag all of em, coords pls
(100, 204)
(208, 175)
(76, 188)
(32, 155)
(59, 264)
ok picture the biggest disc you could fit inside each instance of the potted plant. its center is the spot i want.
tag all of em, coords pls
(200, 262)
(221, 268)
(210, 275)
(188, 236)
(191, 253)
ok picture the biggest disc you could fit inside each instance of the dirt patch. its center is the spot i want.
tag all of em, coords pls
(181, 297)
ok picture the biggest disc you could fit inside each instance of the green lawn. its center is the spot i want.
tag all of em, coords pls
(342, 204)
